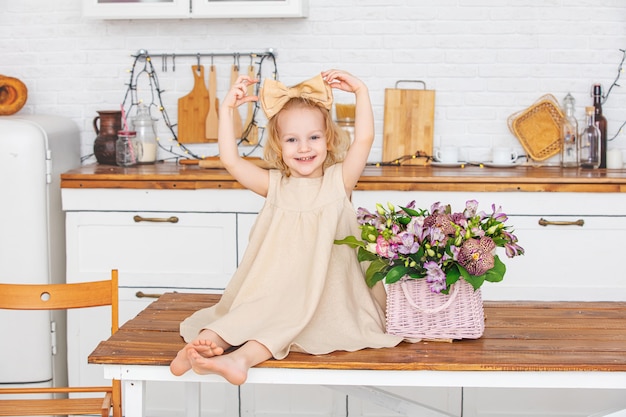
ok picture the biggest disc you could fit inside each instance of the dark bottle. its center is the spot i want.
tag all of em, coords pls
(600, 122)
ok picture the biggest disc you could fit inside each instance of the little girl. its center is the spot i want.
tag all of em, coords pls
(295, 290)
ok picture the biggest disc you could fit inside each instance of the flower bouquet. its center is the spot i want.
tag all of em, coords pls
(433, 254)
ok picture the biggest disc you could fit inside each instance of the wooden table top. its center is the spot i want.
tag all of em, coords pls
(172, 176)
(519, 336)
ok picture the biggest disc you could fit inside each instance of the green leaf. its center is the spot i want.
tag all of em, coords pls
(453, 274)
(374, 272)
(404, 220)
(496, 274)
(411, 212)
(365, 255)
(396, 273)
(351, 241)
(474, 280)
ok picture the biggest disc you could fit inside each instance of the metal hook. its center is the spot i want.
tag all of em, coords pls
(236, 60)
(198, 57)
(174, 62)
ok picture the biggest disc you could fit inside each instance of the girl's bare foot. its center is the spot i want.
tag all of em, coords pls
(207, 348)
(227, 366)
(181, 363)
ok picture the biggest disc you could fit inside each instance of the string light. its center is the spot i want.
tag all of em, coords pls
(131, 98)
(620, 70)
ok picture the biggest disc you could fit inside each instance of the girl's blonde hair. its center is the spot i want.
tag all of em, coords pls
(337, 140)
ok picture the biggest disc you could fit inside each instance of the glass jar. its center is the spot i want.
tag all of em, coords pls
(127, 149)
(347, 125)
(143, 124)
(589, 141)
(569, 134)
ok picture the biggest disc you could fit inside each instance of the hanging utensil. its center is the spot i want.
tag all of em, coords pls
(252, 129)
(212, 117)
(237, 127)
(193, 109)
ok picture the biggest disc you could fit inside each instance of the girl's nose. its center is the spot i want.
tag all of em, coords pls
(304, 146)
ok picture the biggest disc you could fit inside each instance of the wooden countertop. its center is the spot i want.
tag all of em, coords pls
(519, 336)
(169, 175)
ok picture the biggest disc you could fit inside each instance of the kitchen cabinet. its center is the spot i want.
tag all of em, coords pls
(179, 242)
(200, 252)
(193, 9)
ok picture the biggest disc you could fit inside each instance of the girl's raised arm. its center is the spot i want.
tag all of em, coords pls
(359, 150)
(248, 174)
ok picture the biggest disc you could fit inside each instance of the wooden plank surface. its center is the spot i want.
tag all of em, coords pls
(404, 178)
(520, 336)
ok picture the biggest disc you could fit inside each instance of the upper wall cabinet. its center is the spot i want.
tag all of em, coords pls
(196, 9)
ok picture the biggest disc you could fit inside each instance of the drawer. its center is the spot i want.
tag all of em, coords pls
(156, 249)
(571, 258)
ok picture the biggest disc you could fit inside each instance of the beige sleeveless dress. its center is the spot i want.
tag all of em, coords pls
(295, 289)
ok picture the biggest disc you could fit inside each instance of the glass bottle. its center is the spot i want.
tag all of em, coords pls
(589, 141)
(600, 121)
(569, 134)
(127, 149)
(143, 124)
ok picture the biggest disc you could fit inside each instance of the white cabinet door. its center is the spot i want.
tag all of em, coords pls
(135, 9)
(248, 8)
(565, 262)
(197, 251)
(175, 9)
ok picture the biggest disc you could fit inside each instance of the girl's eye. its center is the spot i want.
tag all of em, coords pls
(290, 140)
(315, 137)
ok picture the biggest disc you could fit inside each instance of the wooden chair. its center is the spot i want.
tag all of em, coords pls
(62, 297)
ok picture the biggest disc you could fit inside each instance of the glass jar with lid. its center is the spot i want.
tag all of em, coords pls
(143, 124)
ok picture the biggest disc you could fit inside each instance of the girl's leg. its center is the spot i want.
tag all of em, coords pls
(234, 366)
(207, 344)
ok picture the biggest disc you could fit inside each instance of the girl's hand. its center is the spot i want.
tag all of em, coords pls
(342, 80)
(238, 93)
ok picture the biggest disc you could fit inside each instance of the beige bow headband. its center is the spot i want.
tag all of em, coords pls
(274, 94)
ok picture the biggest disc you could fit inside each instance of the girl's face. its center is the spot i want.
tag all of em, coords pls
(303, 141)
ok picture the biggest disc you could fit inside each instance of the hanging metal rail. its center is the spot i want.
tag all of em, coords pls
(142, 54)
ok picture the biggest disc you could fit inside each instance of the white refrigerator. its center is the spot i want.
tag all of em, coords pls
(34, 151)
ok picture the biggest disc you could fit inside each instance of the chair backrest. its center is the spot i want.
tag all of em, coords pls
(64, 297)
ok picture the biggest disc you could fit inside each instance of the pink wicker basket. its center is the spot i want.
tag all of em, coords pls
(414, 312)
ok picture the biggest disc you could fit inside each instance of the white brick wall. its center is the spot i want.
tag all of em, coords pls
(486, 59)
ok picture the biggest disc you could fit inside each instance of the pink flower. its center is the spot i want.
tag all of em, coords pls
(384, 249)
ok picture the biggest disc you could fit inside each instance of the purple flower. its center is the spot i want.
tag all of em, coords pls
(471, 206)
(407, 244)
(476, 255)
(498, 214)
(435, 276)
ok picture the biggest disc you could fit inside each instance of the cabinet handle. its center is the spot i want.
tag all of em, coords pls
(171, 219)
(141, 294)
(544, 222)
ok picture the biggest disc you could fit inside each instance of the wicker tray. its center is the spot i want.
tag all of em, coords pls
(538, 128)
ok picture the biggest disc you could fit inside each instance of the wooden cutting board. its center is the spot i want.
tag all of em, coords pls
(193, 109)
(409, 122)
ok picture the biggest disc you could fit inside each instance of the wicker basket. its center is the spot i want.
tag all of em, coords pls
(538, 128)
(415, 312)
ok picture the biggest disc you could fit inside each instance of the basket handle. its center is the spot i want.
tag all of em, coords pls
(411, 81)
(413, 304)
